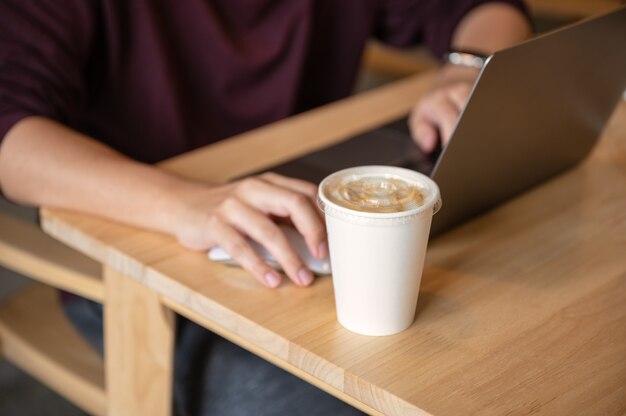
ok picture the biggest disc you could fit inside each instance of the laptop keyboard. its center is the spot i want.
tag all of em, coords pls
(388, 145)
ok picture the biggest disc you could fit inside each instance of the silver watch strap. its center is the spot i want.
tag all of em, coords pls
(466, 59)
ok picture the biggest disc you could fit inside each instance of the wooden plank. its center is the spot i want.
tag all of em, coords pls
(511, 277)
(383, 59)
(26, 249)
(274, 359)
(36, 336)
(487, 287)
(139, 345)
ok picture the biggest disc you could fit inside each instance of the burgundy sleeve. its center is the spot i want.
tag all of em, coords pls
(44, 49)
(431, 22)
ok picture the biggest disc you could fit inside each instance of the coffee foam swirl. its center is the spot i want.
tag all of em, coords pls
(375, 193)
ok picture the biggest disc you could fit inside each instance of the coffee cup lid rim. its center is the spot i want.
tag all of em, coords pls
(433, 197)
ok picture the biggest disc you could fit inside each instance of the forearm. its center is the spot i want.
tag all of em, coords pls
(486, 29)
(45, 163)
(491, 27)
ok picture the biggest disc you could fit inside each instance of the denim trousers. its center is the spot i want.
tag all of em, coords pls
(213, 376)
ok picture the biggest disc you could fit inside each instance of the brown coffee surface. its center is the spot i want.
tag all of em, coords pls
(374, 193)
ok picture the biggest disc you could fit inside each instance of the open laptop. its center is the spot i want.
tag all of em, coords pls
(535, 110)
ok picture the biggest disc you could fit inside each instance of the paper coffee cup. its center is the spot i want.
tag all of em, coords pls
(377, 257)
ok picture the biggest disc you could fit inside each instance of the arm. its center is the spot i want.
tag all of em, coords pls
(45, 163)
(486, 28)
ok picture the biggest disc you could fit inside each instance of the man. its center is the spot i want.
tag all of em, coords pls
(93, 92)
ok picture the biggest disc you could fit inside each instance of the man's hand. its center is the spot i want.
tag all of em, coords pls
(487, 28)
(84, 175)
(434, 117)
(223, 216)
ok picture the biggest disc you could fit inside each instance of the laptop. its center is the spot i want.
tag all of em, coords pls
(535, 110)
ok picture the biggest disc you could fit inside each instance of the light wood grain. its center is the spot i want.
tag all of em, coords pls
(26, 249)
(183, 310)
(36, 336)
(383, 59)
(139, 344)
(520, 310)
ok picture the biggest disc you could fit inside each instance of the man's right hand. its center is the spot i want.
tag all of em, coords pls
(224, 216)
(45, 163)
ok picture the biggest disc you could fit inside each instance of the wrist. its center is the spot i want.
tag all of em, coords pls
(452, 74)
(176, 206)
(490, 27)
(464, 58)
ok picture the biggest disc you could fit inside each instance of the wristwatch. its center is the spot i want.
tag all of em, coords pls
(466, 59)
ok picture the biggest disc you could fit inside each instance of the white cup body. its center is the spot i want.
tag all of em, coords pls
(377, 264)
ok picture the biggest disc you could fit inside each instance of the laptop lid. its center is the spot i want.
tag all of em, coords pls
(536, 110)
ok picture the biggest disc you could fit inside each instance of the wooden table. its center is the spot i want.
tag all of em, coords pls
(521, 311)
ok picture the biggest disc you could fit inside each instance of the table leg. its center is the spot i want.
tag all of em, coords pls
(139, 347)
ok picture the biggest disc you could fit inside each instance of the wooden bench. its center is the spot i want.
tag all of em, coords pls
(34, 332)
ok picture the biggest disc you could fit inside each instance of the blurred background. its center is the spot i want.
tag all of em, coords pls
(22, 395)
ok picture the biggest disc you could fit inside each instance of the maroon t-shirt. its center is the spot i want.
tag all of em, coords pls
(157, 78)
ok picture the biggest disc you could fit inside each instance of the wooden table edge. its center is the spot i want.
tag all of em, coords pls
(278, 355)
(116, 260)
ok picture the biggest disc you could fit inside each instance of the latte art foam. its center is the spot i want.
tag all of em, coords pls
(374, 193)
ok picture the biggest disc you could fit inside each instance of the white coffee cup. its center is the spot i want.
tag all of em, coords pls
(377, 257)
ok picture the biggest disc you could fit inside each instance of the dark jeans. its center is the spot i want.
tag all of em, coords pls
(215, 377)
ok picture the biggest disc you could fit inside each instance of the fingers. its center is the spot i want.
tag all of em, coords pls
(240, 250)
(297, 185)
(438, 112)
(459, 93)
(282, 202)
(260, 228)
(307, 188)
(443, 114)
(424, 131)
(225, 216)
